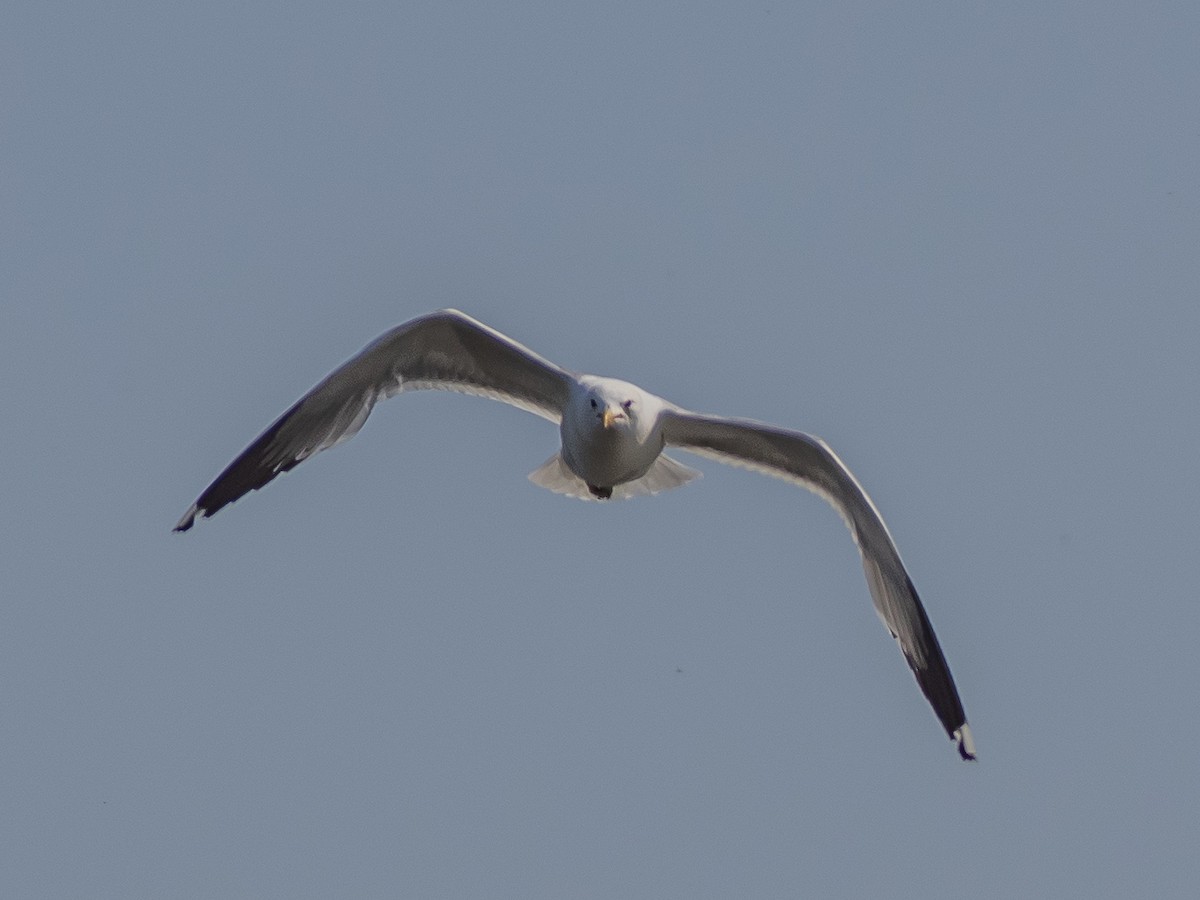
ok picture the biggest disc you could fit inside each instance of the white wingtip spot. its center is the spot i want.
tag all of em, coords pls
(966, 743)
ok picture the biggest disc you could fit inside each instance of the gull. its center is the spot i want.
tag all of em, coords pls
(613, 435)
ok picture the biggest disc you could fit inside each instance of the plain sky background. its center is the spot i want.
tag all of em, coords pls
(959, 241)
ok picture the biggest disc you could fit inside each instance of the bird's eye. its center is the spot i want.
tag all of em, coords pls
(593, 403)
(627, 405)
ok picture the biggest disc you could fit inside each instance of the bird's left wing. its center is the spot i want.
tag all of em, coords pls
(807, 461)
(446, 350)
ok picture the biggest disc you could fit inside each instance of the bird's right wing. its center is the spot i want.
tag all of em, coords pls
(446, 350)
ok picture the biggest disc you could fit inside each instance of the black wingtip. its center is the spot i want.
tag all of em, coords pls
(189, 518)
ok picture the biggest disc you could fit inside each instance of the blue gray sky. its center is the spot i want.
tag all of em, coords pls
(958, 241)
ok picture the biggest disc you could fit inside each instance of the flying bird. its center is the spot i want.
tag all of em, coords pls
(613, 437)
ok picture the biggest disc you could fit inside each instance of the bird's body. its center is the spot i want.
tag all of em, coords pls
(613, 436)
(612, 432)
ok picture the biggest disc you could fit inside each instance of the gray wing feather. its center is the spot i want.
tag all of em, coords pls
(809, 462)
(446, 350)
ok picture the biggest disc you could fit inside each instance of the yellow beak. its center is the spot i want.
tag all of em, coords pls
(608, 418)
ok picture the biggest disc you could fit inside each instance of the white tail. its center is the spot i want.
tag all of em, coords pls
(663, 475)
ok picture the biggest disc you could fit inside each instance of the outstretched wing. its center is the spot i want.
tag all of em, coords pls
(446, 350)
(808, 461)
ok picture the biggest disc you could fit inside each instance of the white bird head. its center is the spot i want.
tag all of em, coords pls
(610, 404)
